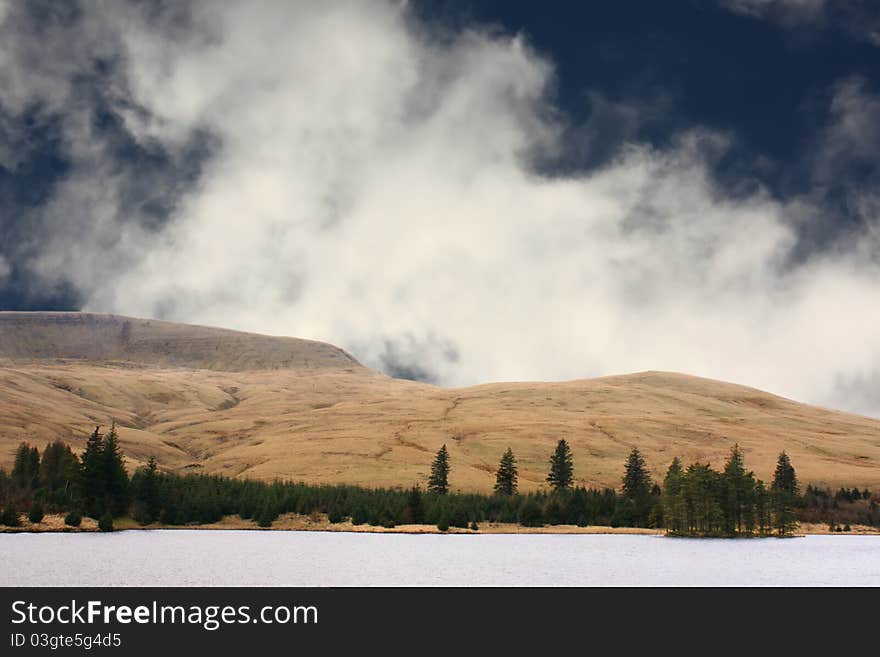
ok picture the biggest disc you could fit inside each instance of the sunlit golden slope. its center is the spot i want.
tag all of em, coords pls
(317, 415)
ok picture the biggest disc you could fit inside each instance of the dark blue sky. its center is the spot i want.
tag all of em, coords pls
(765, 80)
(697, 61)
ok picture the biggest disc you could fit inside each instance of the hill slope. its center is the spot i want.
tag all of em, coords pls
(218, 401)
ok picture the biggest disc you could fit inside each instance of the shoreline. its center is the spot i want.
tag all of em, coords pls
(54, 523)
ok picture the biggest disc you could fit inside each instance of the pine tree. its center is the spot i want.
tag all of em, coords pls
(145, 493)
(762, 508)
(561, 473)
(26, 469)
(784, 493)
(702, 491)
(438, 482)
(114, 474)
(92, 480)
(748, 503)
(636, 480)
(784, 477)
(506, 477)
(673, 498)
(738, 494)
(59, 472)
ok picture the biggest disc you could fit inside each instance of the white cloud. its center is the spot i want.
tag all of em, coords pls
(373, 185)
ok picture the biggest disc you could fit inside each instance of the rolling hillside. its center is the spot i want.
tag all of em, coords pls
(218, 401)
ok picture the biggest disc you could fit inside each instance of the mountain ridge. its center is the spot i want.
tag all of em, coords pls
(106, 337)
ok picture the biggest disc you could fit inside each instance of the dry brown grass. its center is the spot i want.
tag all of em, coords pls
(326, 424)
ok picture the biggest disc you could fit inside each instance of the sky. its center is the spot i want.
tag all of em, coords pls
(461, 192)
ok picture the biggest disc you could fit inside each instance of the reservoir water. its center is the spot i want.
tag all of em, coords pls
(279, 558)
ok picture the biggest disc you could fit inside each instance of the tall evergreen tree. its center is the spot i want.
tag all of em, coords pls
(561, 473)
(438, 482)
(784, 494)
(92, 479)
(738, 493)
(636, 480)
(59, 472)
(145, 493)
(784, 477)
(506, 476)
(26, 469)
(637, 502)
(763, 518)
(115, 476)
(702, 492)
(673, 498)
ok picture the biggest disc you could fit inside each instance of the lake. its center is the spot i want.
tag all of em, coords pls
(278, 558)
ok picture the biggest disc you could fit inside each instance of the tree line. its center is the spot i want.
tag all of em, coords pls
(94, 484)
(696, 501)
(692, 501)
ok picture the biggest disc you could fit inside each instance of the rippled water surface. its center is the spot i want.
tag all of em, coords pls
(218, 557)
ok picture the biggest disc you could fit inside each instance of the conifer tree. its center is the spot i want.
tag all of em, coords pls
(114, 474)
(738, 493)
(673, 498)
(92, 474)
(151, 488)
(59, 472)
(784, 477)
(145, 493)
(438, 482)
(636, 480)
(506, 476)
(702, 487)
(561, 473)
(784, 493)
(763, 518)
(26, 469)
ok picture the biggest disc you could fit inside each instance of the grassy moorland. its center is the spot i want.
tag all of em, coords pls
(259, 407)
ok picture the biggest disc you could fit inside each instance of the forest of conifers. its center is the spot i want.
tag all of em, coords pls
(696, 500)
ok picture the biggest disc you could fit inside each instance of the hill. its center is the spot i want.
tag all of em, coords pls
(216, 401)
(26, 336)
